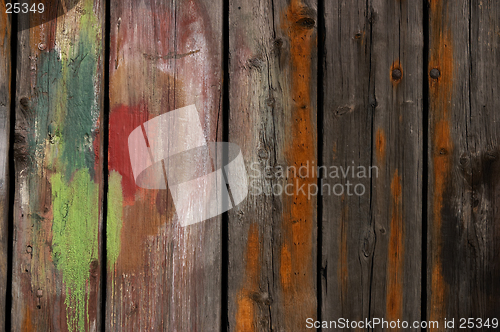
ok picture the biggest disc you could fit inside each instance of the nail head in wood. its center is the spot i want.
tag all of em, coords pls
(435, 73)
(397, 74)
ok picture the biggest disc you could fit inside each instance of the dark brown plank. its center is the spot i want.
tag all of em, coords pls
(371, 263)
(58, 172)
(5, 93)
(464, 161)
(161, 276)
(273, 93)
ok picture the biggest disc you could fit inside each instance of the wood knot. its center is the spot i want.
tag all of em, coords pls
(306, 22)
(464, 160)
(271, 102)
(490, 155)
(255, 62)
(278, 43)
(25, 103)
(263, 154)
(344, 110)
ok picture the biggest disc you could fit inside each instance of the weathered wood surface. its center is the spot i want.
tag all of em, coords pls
(464, 160)
(58, 170)
(5, 95)
(161, 276)
(272, 237)
(371, 244)
(372, 93)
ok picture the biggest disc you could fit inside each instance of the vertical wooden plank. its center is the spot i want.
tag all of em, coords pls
(5, 93)
(161, 276)
(463, 161)
(58, 169)
(372, 191)
(272, 235)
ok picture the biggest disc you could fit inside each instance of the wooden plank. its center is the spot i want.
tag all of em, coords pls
(5, 114)
(161, 276)
(463, 161)
(273, 94)
(58, 170)
(371, 244)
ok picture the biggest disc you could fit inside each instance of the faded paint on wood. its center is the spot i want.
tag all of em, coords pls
(161, 276)
(58, 169)
(371, 245)
(272, 238)
(463, 160)
(5, 93)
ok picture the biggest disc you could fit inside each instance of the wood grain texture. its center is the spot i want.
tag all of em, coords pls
(463, 160)
(161, 276)
(5, 115)
(371, 253)
(58, 170)
(273, 94)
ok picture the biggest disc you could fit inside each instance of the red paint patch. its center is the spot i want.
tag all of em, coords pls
(123, 120)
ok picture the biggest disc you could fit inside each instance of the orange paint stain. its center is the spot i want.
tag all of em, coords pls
(286, 268)
(245, 315)
(297, 270)
(27, 323)
(134, 234)
(441, 90)
(394, 303)
(380, 145)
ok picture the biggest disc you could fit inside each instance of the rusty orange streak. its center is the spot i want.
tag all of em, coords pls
(441, 90)
(299, 212)
(245, 315)
(396, 254)
(27, 323)
(380, 146)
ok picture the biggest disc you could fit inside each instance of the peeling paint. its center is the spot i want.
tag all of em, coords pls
(75, 239)
(62, 160)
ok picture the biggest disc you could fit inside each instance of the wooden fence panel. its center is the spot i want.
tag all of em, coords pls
(165, 55)
(272, 235)
(464, 161)
(5, 93)
(58, 170)
(371, 244)
(161, 276)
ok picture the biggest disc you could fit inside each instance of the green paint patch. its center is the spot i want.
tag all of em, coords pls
(115, 217)
(82, 110)
(65, 124)
(75, 239)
